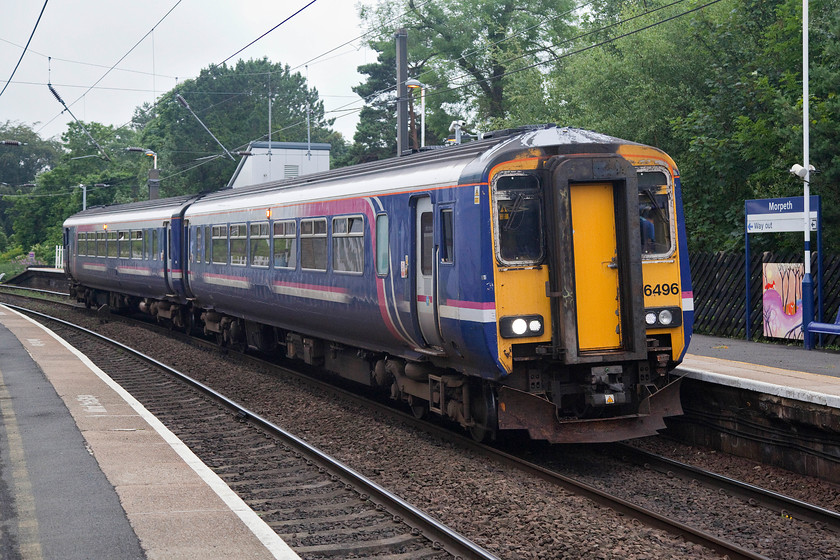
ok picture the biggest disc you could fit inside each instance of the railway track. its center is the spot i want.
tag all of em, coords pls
(817, 518)
(318, 505)
(784, 506)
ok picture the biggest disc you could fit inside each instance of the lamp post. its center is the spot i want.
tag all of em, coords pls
(84, 196)
(149, 153)
(414, 84)
(807, 282)
(153, 181)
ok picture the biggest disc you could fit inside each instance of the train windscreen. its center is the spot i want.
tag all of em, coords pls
(655, 214)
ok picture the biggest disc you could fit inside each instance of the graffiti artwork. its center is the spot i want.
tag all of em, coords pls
(782, 297)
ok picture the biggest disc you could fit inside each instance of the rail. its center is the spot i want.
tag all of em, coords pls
(439, 534)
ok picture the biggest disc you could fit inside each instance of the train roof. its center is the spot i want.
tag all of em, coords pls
(162, 208)
(465, 163)
(494, 144)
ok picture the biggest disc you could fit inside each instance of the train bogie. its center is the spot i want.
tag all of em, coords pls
(532, 281)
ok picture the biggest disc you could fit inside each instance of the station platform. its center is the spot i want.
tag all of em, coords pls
(86, 472)
(40, 278)
(811, 376)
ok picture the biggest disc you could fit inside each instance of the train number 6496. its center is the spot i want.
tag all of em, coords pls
(662, 289)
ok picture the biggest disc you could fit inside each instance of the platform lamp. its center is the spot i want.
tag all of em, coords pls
(154, 174)
(415, 84)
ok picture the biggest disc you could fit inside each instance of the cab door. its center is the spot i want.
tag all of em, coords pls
(595, 275)
(598, 298)
(426, 272)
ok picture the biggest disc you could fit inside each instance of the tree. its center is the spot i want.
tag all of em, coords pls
(375, 136)
(20, 164)
(233, 103)
(473, 54)
(38, 213)
(720, 90)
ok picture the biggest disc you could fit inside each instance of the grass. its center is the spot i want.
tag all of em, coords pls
(11, 269)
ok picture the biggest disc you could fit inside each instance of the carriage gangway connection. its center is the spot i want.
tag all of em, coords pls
(87, 472)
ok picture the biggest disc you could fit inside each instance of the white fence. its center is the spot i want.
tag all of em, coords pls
(59, 257)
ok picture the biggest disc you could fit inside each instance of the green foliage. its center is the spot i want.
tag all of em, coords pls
(37, 213)
(20, 164)
(720, 90)
(15, 260)
(477, 57)
(232, 101)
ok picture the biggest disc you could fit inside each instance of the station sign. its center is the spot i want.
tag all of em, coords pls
(776, 215)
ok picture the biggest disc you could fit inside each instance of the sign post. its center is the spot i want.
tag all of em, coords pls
(777, 215)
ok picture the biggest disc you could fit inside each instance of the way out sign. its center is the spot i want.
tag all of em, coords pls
(776, 215)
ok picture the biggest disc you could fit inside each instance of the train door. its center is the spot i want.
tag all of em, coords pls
(425, 272)
(187, 251)
(596, 266)
(166, 256)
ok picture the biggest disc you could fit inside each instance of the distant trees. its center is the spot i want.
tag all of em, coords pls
(476, 57)
(718, 86)
(19, 165)
(233, 102)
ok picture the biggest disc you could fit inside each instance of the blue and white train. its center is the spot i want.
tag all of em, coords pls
(534, 280)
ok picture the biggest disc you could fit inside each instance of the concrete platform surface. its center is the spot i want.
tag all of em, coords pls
(787, 371)
(88, 472)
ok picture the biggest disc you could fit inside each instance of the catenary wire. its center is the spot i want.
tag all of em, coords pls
(44, 7)
(118, 61)
(267, 32)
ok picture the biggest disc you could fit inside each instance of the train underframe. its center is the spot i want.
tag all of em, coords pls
(543, 397)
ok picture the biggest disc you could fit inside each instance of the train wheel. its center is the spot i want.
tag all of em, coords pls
(483, 412)
(188, 320)
(418, 407)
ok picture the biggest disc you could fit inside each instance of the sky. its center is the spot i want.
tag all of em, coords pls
(78, 41)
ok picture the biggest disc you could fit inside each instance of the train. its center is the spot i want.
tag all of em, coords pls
(534, 282)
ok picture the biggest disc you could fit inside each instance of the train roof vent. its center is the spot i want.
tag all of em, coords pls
(518, 130)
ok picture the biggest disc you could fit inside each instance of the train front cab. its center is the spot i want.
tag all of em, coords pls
(586, 360)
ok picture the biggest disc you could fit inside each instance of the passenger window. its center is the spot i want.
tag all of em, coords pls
(81, 244)
(313, 244)
(348, 244)
(137, 244)
(518, 219)
(285, 244)
(199, 244)
(220, 244)
(207, 242)
(427, 243)
(447, 248)
(125, 247)
(383, 256)
(112, 244)
(260, 247)
(238, 245)
(655, 214)
(155, 249)
(100, 244)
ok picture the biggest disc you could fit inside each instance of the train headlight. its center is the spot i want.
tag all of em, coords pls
(521, 326)
(658, 317)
